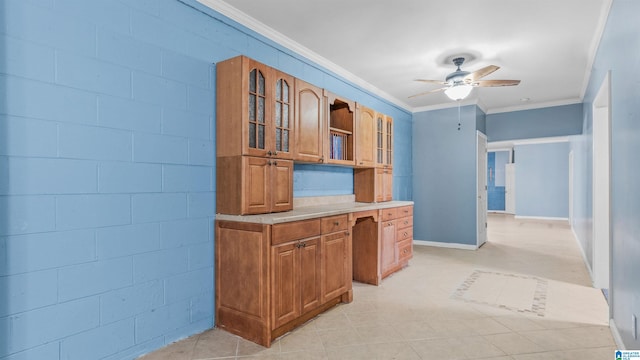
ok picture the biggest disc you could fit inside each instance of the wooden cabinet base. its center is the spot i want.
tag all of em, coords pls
(272, 278)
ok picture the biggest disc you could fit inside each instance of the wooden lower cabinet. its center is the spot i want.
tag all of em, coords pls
(253, 185)
(291, 273)
(382, 243)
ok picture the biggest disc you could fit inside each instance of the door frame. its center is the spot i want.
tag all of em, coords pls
(481, 195)
(601, 191)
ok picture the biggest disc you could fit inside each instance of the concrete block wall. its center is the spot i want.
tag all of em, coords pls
(107, 170)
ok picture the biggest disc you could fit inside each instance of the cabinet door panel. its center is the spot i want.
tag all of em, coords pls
(335, 249)
(389, 257)
(281, 186)
(310, 267)
(364, 136)
(256, 191)
(310, 124)
(285, 278)
(387, 181)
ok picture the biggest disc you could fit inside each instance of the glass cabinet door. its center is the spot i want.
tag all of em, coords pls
(256, 109)
(283, 116)
(380, 140)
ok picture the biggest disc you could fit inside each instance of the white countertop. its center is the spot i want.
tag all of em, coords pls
(311, 212)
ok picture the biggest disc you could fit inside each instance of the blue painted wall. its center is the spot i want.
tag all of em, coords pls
(537, 123)
(542, 180)
(107, 170)
(618, 53)
(496, 161)
(444, 167)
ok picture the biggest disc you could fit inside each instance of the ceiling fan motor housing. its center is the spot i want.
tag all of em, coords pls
(457, 77)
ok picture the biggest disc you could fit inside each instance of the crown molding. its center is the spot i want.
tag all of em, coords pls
(279, 38)
(533, 106)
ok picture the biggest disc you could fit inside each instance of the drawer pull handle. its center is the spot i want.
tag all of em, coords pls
(406, 222)
(346, 233)
(336, 223)
(405, 233)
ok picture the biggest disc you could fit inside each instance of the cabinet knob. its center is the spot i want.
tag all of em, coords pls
(275, 153)
(269, 162)
(275, 163)
(336, 223)
(269, 152)
(405, 233)
(346, 233)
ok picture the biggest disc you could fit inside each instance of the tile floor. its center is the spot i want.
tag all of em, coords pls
(524, 295)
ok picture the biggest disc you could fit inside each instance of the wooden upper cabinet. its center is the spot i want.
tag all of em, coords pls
(365, 130)
(254, 109)
(340, 142)
(309, 123)
(384, 140)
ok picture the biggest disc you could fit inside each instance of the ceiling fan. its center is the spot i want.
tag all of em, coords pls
(460, 83)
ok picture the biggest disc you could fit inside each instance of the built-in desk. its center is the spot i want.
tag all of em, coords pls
(276, 271)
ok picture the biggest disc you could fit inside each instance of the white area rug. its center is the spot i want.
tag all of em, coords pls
(518, 293)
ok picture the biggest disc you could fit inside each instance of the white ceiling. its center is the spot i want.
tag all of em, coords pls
(385, 45)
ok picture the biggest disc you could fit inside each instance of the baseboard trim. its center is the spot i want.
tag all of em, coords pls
(541, 218)
(616, 335)
(445, 245)
(584, 255)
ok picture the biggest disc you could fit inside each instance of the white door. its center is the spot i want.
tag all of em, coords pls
(601, 187)
(481, 153)
(510, 189)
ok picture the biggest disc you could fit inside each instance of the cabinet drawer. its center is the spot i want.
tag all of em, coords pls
(404, 234)
(405, 211)
(334, 223)
(389, 214)
(405, 251)
(296, 230)
(405, 222)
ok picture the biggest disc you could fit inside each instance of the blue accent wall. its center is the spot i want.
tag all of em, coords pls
(537, 123)
(444, 168)
(496, 161)
(542, 180)
(107, 170)
(618, 54)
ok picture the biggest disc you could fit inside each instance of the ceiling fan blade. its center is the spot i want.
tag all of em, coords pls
(479, 74)
(428, 92)
(432, 81)
(491, 83)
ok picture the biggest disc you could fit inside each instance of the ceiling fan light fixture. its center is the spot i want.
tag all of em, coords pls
(458, 92)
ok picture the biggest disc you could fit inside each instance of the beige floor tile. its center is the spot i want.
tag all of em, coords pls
(181, 350)
(389, 351)
(415, 314)
(215, 343)
(476, 347)
(513, 343)
(340, 337)
(438, 349)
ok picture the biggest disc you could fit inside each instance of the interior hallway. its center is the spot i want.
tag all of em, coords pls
(525, 294)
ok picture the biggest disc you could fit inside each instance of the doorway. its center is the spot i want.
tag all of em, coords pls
(481, 207)
(497, 160)
(601, 185)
